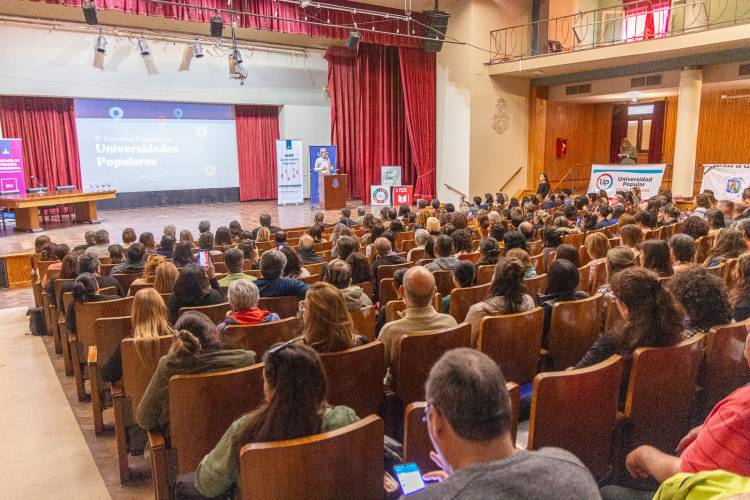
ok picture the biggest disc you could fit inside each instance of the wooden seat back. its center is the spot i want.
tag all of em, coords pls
(323, 466)
(286, 306)
(135, 288)
(485, 273)
(366, 287)
(536, 286)
(387, 270)
(661, 393)
(108, 333)
(535, 247)
(364, 322)
(138, 368)
(718, 270)
(463, 298)
(513, 341)
(88, 312)
(471, 257)
(355, 377)
(652, 234)
(598, 278)
(386, 292)
(260, 336)
(417, 254)
(576, 410)
(313, 278)
(393, 307)
(417, 444)
(443, 281)
(575, 239)
(217, 312)
(255, 273)
(419, 351)
(323, 246)
(407, 245)
(702, 246)
(583, 278)
(59, 284)
(126, 280)
(314, 268)
(574, 326)
(105, 269)
(202, 406)
(724, 366)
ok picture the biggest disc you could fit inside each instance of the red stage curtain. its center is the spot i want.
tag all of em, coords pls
(287, 17)
(418, 80)
(48, 129)
(343, 87)
(619, 130)
(257, 131)
(656, 137)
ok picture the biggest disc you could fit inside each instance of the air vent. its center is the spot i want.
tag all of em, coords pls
(584, 88)
(645, 81)
(744, 69)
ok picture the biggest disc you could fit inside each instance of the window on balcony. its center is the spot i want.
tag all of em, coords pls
(645, 19)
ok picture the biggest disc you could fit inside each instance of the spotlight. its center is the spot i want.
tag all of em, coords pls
(89, 12)
(217, 26)
(143, 47)
(353, 40)
(101, 44)
(197, 50)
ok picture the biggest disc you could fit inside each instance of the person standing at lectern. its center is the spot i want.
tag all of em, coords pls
(628, 152)
(323, 163)
(543, 187)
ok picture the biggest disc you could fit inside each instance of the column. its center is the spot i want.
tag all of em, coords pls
(686, 134)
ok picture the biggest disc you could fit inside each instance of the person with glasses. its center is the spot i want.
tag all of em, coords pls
(295, 406)
(468, 418)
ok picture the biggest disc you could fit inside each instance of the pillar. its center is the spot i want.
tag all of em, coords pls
(686, 134)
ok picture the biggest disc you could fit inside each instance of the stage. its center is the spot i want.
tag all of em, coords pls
(154, 219)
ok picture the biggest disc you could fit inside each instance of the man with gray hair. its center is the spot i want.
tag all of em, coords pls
(271, 283)
(420, 238)
(170, 230)
(420, 316)
(360, 218)
(306, 251)
(469, 422)
(243, 298)
(101, 247)
(384, 256)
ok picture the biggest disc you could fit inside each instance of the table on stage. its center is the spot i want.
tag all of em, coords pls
(26, 206)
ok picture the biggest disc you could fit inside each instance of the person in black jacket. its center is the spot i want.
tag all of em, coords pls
(385, 256)
(543, 187)
(89, 263)
(740, 294)
(85, 289)
(306, 250)
(562, 282)
(194, 288)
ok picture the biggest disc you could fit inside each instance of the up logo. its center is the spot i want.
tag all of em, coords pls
(604, 181)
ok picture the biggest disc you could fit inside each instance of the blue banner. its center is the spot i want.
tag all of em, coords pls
(322, 161)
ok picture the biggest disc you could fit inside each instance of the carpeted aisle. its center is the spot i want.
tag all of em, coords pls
(43, 453)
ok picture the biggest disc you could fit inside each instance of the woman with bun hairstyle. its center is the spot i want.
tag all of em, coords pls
(196, 349)
(507, 295)
(489, 252)
(85, 289)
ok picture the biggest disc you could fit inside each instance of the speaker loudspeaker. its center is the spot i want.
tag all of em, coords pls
(438, 22)
(353, 40)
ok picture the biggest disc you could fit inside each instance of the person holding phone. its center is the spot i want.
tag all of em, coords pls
(196, 286)
(468, 418)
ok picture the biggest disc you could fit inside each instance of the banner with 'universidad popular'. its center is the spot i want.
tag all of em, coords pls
(614, 178)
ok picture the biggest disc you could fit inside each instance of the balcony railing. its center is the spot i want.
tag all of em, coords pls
(632, 22)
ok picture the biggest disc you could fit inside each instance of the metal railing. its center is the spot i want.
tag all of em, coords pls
(633, 22)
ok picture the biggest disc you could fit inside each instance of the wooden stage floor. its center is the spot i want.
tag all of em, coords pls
(154, 219)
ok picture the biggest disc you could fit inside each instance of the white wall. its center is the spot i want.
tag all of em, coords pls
(310, 124)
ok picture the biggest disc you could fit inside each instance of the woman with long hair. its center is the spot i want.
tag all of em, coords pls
(461, 242)
(729, 245)
(293, 268)
(433, 226)
(562, 285)
(656, 257)
(326, 324)
(507, 295)
(569, 253)
(631, 237)
(715, 219)
(183, 254)
(68, 271)
(462, 275)
(263, 234)
(187, 237)
(128, 237)
(165, 277)
(294, 406)
(740, 293)
(652, 317)
(85, 289)
(489, 253)
(523, 257)
(223, 237)
(361, 272)
(149, 270)
(695, 226)
(194, 288)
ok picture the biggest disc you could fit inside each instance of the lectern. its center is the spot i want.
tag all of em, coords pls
(333, 191)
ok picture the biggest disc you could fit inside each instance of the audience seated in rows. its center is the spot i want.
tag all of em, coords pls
(339, 274)
(272, 283)
(101, 244)
(243, 297)
(306, 251)
(462, 275)
(135, 263)
(562, 284)
(521, 255)
(445, 260)
(194, 287)
(234, 260)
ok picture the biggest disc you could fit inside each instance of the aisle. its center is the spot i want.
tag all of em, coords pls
(43, 452)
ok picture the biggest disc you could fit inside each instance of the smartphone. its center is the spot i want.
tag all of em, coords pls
(409, 478)
(202, 259)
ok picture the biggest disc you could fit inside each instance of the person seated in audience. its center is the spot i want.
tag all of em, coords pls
(645, 221)
(345, 246)
(469, 423)
(461, 242)
(433, 226)
(128, 237)
(703, 297)
(89, 241)
(655, 255)
(316, 233)
(360, 268)
(618, 259)
(235, 229)
(489, 253)
(134, 264)
(195, 287)
(340, 230)
(651, 314)
(206, 243)
(101, 246)
(293, 268)
(668, 216)
(204, 226)
(148, 242)
(183, 254)
(306, 251)
(695, 227)
(418, 291)
(149, 323)
(743, 226)
(552, 239)
(445, 260)
(166, 277)
(187, 237)
(602, 217)
(294, 406)
(523, 257)
(527, 230)
(702, 205)
(116, 254)
(632, 237)
(404, 214)
(569, 253)
(223, 237)
(272, 283)
(377, 231)
(265, 221)
(59, 252)
(262, 235)
(196, 349)
(166, 246)
(398, 281)
(339, 274)
(85, 289)
(720, 443)
(89, 263)
(727, 211)
(740, 293)
(715, 220)
(249, 252)
(280, 239)
(326, 323)
(346, 217)
(681, 251)
(234, 260)
(243, 297)
(515, 239)
(360, 218)
(384, 256)
(562, 286)
(68, 271)
(729, 245)
(420, 237)
(462, 275)
(170, 230)
(149, 271)
(319, 219)
(507, 295)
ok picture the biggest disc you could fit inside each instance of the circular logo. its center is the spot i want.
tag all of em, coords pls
(380, 196)
(604, 181)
